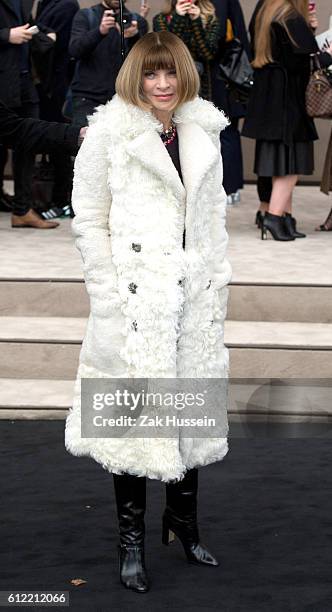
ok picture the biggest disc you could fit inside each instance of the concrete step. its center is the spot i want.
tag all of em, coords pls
(276, 401)
(43, 298)
(48, 348)
(247, 302)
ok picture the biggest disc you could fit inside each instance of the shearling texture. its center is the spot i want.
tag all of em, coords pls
(127, 191)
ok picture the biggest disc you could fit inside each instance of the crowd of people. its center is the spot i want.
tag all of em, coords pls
(61, 70)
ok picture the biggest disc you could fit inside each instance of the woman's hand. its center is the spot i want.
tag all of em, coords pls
(328, 48)
(194, 11)
(182, 7)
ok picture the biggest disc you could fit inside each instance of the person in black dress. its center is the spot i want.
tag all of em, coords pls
(277, 117)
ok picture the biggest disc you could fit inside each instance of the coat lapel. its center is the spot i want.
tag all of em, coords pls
(149, 149)
(198, 155)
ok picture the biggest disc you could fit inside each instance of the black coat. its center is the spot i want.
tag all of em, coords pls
(276, 109)
(58, 16)
(99, 56)
(229, 9)
(10, 55)
(36, 135)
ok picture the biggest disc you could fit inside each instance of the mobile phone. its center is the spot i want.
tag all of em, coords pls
(142, 3)
(312, 7)
(33, 30)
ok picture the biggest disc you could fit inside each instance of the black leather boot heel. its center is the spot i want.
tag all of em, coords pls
(130, 495)
(259, 218)
(180, 519)
(168, 536)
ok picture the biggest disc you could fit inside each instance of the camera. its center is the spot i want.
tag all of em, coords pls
(127, 18)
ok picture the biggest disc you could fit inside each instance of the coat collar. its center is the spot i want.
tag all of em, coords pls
(139, 131)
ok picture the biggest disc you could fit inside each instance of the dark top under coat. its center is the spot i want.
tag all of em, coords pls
(173, 151)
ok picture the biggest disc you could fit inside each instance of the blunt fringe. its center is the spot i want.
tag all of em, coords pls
(157, 51)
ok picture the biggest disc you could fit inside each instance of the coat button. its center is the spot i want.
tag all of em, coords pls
(132, 287)
(208, 285)
(134, 325)
(136, 247)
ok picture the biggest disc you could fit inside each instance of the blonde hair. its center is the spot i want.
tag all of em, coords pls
(157, 51)
(206, 6)
(274, 11)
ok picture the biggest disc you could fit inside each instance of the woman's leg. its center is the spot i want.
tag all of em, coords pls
(281, 202)
(282, 191)
(130, 495)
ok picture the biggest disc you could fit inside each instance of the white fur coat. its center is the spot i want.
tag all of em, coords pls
(131, 209)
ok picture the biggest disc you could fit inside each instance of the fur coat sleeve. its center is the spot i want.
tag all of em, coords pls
(91, 201)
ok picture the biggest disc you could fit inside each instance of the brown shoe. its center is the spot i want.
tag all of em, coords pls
(32, 219)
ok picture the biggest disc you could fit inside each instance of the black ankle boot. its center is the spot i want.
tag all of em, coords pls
(180, 519)
(130, 494)
(259, 218)
(290, 224)
(276, 226)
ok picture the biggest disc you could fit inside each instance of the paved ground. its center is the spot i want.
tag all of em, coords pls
(30, 253)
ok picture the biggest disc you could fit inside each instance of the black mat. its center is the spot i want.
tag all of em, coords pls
(265, 511)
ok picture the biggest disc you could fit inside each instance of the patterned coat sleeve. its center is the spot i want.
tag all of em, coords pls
(177, 24)
(204, 42)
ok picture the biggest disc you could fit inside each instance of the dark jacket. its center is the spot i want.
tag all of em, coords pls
(276, 109)
(36, 135)
(99, 56)
(58, 15)
(10, 55)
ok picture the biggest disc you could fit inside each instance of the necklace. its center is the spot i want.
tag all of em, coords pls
(168, 135)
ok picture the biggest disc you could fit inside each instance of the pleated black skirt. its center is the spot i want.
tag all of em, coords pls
(275, 158)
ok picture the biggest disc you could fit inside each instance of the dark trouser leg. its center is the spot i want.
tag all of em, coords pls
(23, 162)
(264, 188)
(82, 108)
(130, 494)
(63, 171)
(51, 110)
(232, 158)
(180, 518)
(3, 161)
(5, 199)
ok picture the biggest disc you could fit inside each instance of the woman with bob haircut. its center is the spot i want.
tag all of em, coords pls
(150, 226)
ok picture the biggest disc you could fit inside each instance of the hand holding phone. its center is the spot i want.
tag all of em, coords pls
(33, 30)
(182, 7)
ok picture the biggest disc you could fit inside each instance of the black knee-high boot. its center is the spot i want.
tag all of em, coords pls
(130, 494)
(180, 519)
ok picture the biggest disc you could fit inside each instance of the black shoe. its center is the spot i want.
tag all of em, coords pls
(276, 226)
(6, 202)
(259, 219)
(290, 224)
(130, 495)
(180, 519)
(327, 225)
(58, 211)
